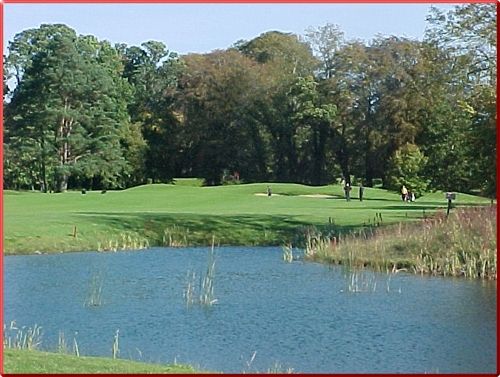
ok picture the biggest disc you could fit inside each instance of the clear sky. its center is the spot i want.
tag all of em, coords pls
(205, 27)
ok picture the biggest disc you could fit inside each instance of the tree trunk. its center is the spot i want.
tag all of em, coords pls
(43, 166)
(65, 128)
(62, 183)
(343, 158)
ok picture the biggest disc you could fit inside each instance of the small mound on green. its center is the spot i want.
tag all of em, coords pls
(24, 361)
(194, 182)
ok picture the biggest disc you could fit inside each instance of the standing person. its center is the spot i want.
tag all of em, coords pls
(404, 193)
(347, 189)
(361, 192)
(269, 192)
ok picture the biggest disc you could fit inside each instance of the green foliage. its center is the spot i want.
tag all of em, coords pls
(325, 41)
(465, 37)
(283, 50)
(67, 109)
(406, 167)
(152, 71)
(280, 107)
(312, 126)
(222, 91)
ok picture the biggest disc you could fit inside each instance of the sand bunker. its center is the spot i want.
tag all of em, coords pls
(317, 196)
(320, 196)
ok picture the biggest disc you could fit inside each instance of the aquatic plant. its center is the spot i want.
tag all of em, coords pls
(288, 253)
(76, 350)
(22, 338)
(189, 292)
(115, 349)
(62, 346)
(316, 244)
(250, 362)
(278, 368)
(94, 295)
(124, 241)
(206, 287)
(462, 244)
(175, 236)
(360, 281)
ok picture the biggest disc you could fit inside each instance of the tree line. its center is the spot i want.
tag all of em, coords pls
(83, 113)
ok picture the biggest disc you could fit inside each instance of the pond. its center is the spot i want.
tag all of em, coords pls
(269, 315)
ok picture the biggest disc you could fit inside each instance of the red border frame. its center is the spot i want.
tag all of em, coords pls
(243, 1)
(1, 190)
(2, 2)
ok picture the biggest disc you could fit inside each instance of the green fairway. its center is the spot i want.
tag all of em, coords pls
(184, 214)
(24, 361)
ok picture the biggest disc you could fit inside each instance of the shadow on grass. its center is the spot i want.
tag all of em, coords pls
(336, 197)
(411, 207)
(199, 229)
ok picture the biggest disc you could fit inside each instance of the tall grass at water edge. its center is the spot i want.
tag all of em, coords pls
(21, 338)
(461, 244)
(23, 354)
(124, 241)
(30, 338)
(175, 236)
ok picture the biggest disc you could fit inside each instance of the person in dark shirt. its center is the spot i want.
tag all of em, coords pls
(347, 190)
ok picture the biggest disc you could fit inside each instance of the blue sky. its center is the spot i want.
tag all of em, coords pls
(205, 27)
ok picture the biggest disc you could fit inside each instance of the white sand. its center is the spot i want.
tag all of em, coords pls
(318, 196)
(305, 196)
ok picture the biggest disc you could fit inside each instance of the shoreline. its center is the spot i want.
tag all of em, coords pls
(23, 361)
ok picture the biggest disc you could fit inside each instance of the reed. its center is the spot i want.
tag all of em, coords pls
(189, 292)
(94, 295)
(175, 236)
(22, 338)
(317, 244)
(115, 349)
(76, 350)
(288, 253)
(359, 281)
(250, 362)
(62, 346)
(278, 368)
(206, 296)
(124, 241)
(462, 244)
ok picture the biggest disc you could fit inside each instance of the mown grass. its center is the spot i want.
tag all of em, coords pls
(183, 213)
(33, 361)
(461, 244)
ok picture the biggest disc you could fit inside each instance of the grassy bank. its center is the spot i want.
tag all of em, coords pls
(462, 244)
(31, 361)
(180, 215)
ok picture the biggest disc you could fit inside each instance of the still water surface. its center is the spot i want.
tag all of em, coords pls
(287, 315)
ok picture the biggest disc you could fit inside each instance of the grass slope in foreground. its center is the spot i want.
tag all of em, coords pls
(25, 361)
(182, 215)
